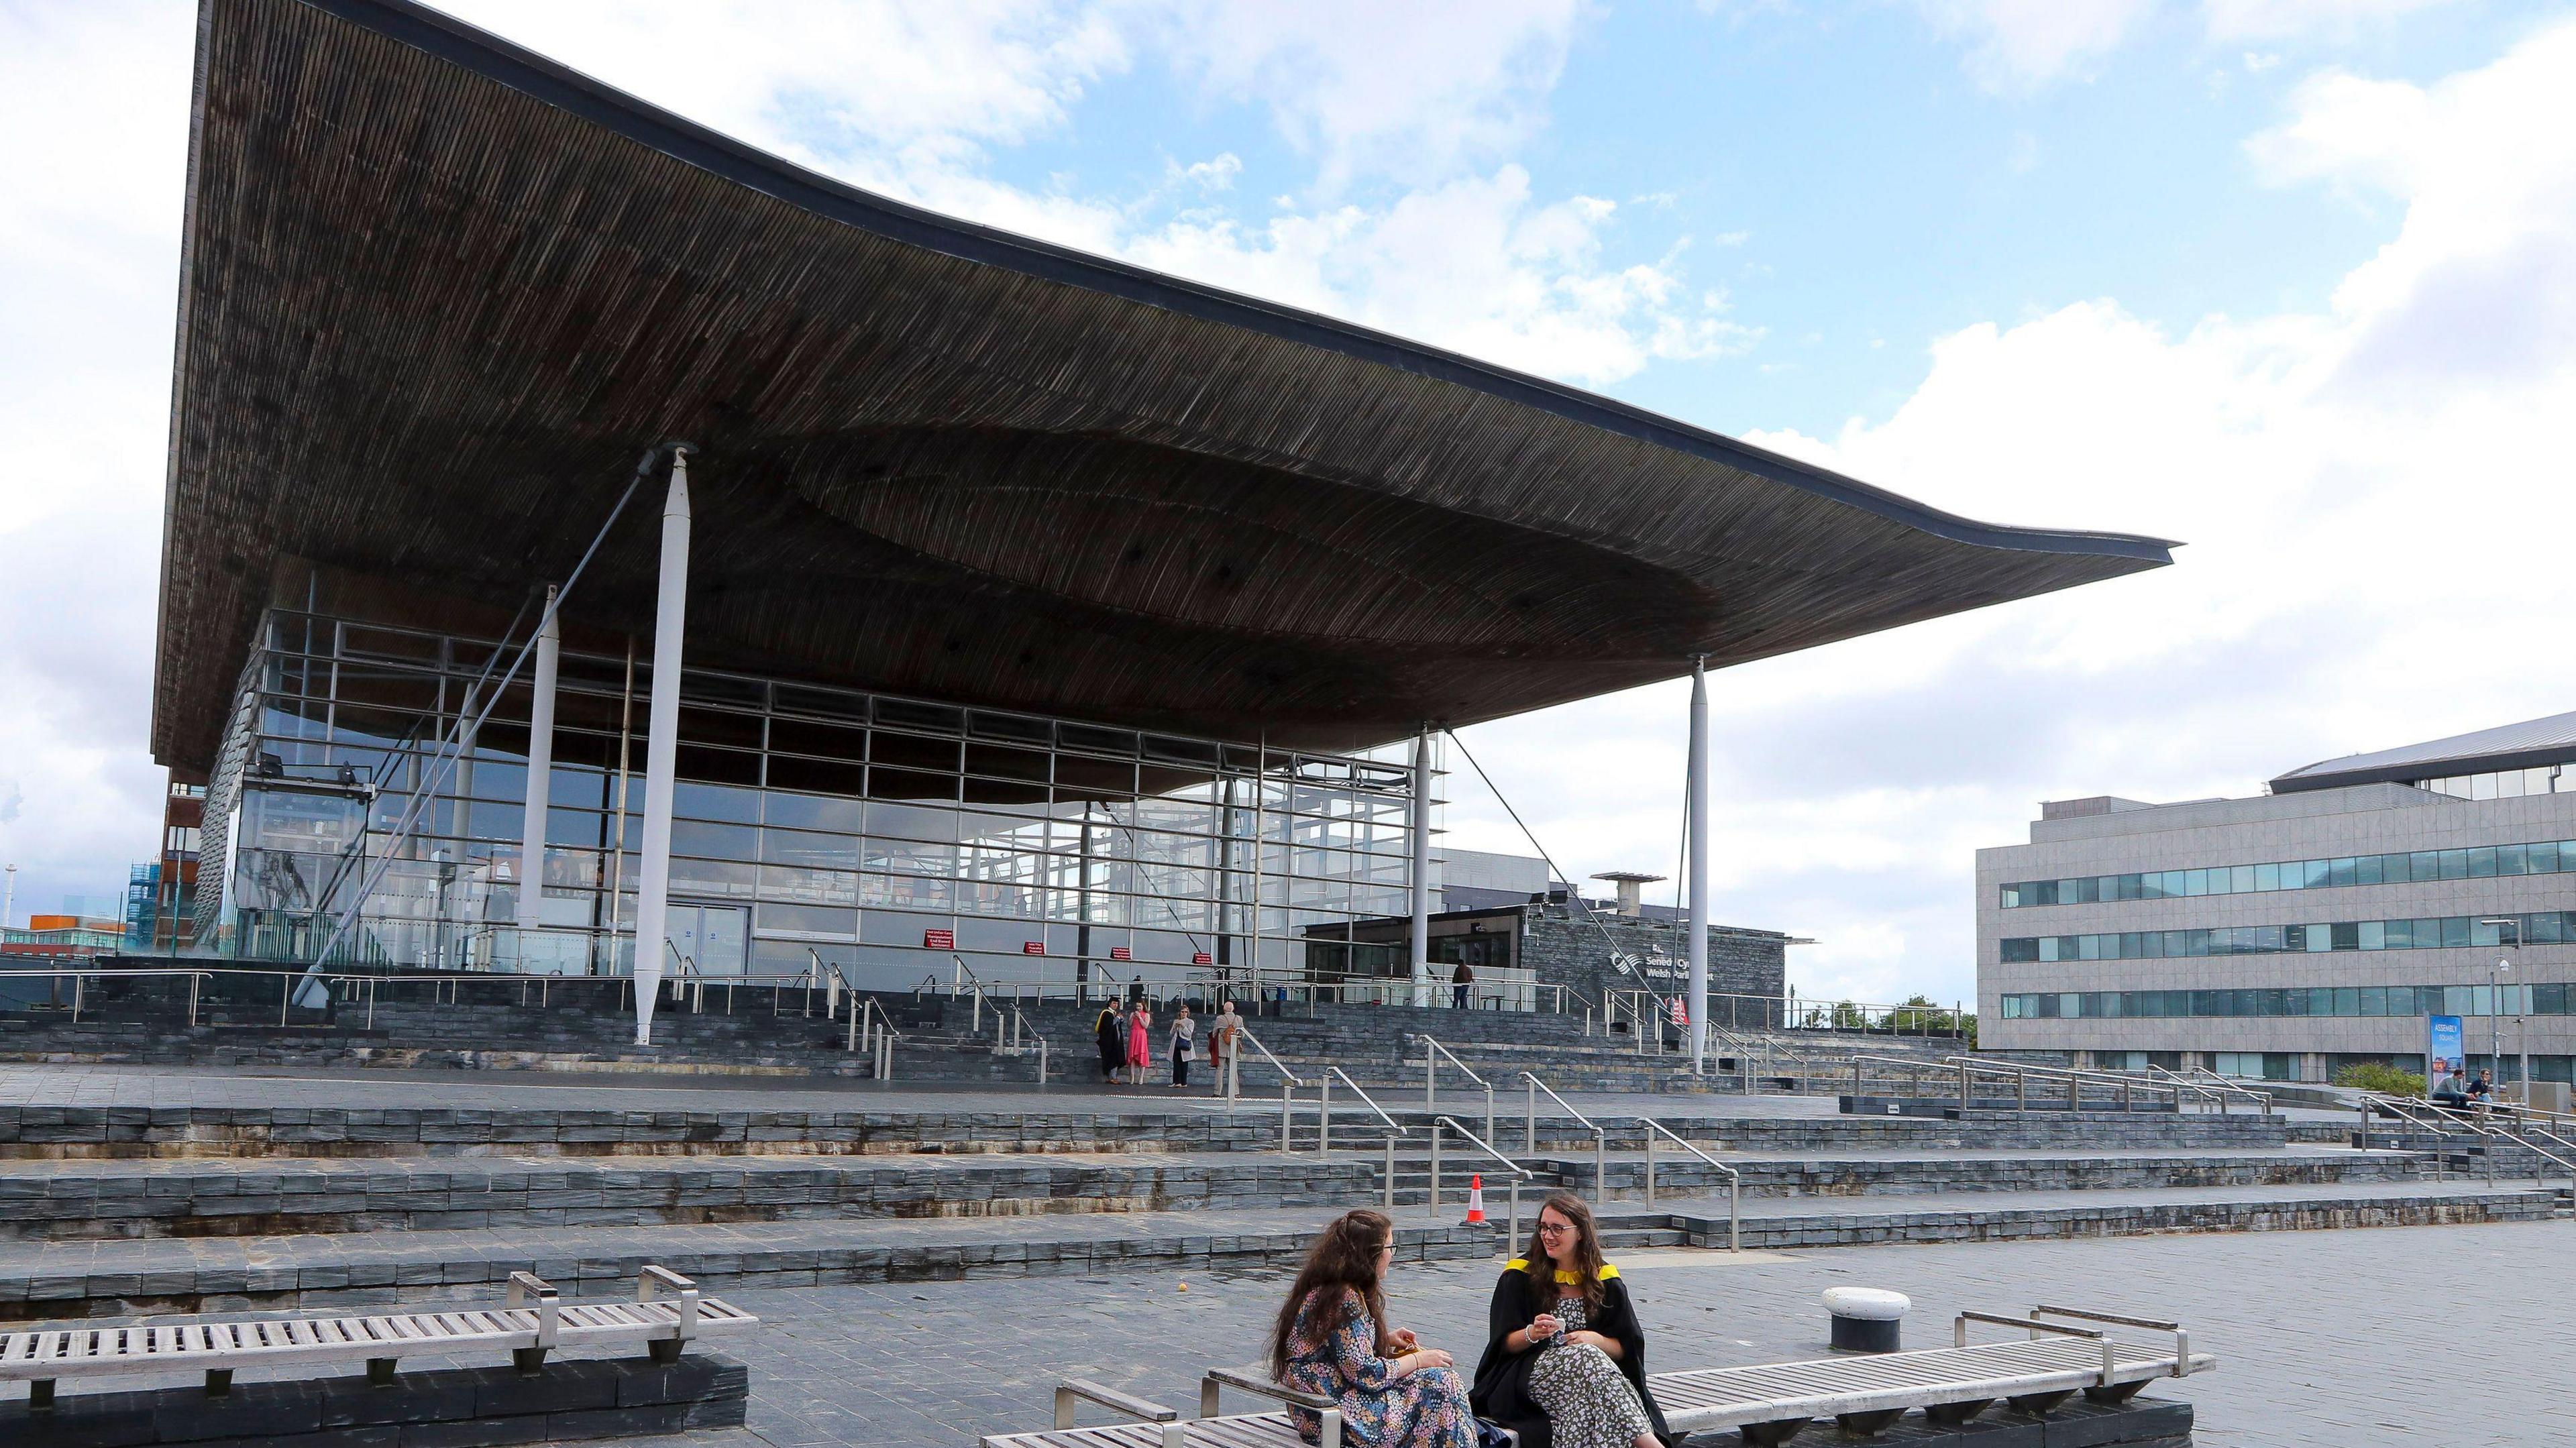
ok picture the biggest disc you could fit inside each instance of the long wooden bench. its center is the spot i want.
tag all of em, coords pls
(1768, 1404)
(667, 1314)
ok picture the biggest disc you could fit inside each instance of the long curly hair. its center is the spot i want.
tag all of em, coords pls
(1588, 1260)
(1342, 1264)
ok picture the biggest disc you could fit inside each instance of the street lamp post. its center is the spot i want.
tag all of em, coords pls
(2495, 1005)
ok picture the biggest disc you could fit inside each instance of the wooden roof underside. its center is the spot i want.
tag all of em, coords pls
(438, 294)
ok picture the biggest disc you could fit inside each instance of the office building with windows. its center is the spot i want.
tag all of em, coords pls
(2315, 926)
(975, 599)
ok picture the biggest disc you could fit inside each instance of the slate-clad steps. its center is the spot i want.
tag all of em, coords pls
(67, 1201)
(66, 1280)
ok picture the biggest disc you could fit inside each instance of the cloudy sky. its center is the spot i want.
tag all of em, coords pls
(2292, 281)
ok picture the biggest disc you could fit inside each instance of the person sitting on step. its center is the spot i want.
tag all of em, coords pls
(1565, 1366)
(1331, 1338)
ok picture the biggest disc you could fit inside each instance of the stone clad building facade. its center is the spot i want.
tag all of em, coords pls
(2290, 934)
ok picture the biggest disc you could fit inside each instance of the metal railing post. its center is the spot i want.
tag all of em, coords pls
(1531, 1145)
(1601, 1162)
(1430, 1076)
(1324, 1114)
(1287, 1117)
(1513, 1240)
(1389, 1184)
(1650, 1168)
(1735, 1214)
(1434, 1193)
(1489, 1111)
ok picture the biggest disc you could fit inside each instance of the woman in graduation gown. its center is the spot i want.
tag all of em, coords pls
(1565, 1365)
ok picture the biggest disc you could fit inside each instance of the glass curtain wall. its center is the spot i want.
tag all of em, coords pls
(868, 831)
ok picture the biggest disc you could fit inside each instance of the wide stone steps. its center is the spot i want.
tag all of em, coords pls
(68, 1280)
(62, 1201)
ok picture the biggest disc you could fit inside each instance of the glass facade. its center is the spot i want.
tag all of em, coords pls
(868, 830)
(2445, 932)
(2505, 783)
(2321, 1000)
(2544, 857)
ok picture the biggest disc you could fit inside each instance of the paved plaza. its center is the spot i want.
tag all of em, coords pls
(2326, 1339)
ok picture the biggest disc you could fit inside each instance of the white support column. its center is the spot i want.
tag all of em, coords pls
(1697, 808)
(661, 750)
(541, 764)
(1421, 881)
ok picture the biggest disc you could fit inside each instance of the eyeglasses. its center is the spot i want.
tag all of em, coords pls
(1554, 1229)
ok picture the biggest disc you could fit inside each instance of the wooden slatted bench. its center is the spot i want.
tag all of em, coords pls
(1767, 1404)
(667, 1314)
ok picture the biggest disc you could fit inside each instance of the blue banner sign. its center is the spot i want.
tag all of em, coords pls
(2441, 1048)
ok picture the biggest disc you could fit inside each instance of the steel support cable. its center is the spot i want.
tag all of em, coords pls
(1572, 892)
(444, 761)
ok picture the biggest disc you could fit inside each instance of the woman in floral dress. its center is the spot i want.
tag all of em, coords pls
(1566, 1365)
(1331, 1339)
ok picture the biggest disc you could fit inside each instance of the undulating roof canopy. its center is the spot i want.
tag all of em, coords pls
(438, 294)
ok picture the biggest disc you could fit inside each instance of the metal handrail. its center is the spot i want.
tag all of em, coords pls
(1600, 1138)
(1431, 1072)
(2211, 1081)
(1289, 1084)
(1324, 1126)
(1518, 1171)
(2445, 1121)
(1734, 1180)
(1332, 1071)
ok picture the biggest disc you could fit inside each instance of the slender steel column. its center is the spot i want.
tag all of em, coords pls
(541, 764)
(1422, 867)
(661, 750)
(1697, 807)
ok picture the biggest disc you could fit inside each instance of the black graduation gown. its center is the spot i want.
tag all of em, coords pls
(1112, 1040)
(1502, 1377)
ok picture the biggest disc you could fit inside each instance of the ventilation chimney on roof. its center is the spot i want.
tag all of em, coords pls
(1632, 889)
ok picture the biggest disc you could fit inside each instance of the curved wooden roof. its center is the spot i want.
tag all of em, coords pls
(438, 293)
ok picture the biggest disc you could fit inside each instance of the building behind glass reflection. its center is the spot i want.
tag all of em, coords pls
(2315, 927)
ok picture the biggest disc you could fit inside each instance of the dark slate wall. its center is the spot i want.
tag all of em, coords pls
(1563, 946)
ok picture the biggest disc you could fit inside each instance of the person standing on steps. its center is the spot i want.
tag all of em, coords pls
(1140, 1042)
(1225, 1037)
(1109, 1032)
(1184, 1045)
(1459, 982)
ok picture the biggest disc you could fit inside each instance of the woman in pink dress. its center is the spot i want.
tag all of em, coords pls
(1140, 1042)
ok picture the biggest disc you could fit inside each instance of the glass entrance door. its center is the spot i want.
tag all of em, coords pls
(717, 937)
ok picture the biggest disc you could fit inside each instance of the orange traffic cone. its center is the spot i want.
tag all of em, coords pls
(1476, 1200)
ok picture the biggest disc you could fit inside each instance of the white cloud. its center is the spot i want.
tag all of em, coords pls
(2020, 43)
(90, 188)
(1416, 92)
(2284, 19)
(1478, 265)
(2375, 501)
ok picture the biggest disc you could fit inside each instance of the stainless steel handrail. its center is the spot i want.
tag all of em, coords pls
(1431, 1071)
(2216, 1084)
(1734, 1180)
(1518, 1171)
(1289, 1084)
(1600, 1138)
(2475, 1121)
(1324, 1125)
